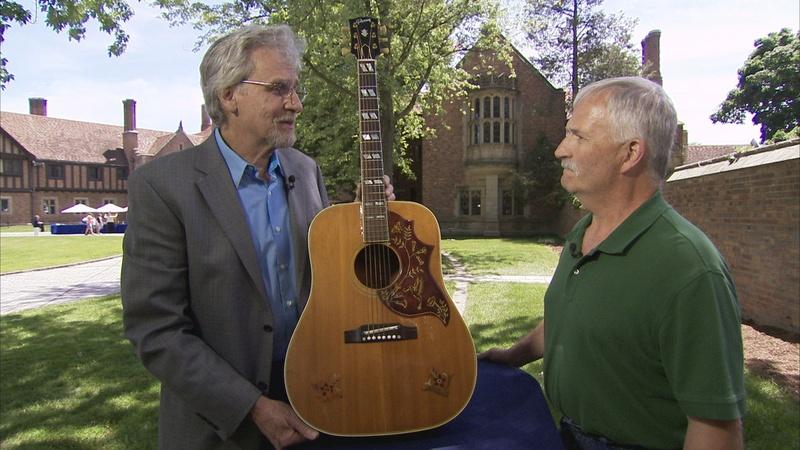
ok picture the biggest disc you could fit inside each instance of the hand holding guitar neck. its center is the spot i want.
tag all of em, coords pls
(388, 190)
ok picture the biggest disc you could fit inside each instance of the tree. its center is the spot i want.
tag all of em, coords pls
(769, 87)
(71, 15)
(576, 44)
(425, 37)
(539, 179)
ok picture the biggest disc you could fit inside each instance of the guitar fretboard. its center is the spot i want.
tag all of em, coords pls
(375, 222)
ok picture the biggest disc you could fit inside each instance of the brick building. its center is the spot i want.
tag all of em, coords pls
(467, 169)
(48, 164)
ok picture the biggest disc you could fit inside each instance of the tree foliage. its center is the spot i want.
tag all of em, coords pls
(769, 86)
(72, 16)
(539, 178)
(577, 44)
(425, 38)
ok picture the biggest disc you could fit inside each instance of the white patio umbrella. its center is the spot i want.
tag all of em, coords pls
(79, 208)
(111, 208)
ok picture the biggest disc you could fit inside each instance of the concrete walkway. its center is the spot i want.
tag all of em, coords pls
(35, 288)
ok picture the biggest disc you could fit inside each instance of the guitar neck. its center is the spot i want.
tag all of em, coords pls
(375, 224)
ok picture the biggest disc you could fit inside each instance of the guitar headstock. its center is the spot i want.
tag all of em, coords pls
(365, 42)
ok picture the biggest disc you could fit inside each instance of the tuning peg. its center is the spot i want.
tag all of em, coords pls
(345, 51)
(346, 31)
(383, 30)
(385, 50)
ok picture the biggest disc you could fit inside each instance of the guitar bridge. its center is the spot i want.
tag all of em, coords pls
(379, 332)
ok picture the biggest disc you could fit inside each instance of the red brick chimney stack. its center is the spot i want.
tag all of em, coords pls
(205, 119)
(130, 137)
(38, 106)
(651, 57)
(129, 109)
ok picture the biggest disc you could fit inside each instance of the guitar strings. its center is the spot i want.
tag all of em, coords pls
(378, 255)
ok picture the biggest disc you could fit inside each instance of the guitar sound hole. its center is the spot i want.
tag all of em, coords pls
(377, 266)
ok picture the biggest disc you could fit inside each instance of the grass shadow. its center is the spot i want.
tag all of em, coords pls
(71, 380)
(772, 415)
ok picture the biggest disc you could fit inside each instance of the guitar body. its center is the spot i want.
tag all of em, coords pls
(380, 347)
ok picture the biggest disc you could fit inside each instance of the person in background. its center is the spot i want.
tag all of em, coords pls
(215, 267)
(112, 222)
(37, 222)
(99, 223)
(89, 220)
(641, 336)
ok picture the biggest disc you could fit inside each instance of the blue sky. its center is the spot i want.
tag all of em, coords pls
(703, 43)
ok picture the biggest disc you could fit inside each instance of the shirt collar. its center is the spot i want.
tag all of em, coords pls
(631, 228)
(237, 165)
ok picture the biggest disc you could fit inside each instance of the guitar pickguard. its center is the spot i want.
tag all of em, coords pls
(414, 292)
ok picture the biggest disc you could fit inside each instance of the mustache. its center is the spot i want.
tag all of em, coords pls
(568, 164)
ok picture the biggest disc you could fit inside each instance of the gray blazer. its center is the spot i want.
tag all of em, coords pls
(194, 303)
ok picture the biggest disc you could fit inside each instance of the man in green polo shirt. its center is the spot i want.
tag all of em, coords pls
(643, 342)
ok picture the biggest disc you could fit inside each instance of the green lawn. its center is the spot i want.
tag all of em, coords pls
(20, 228)
(500, 313)
(24, 253)
(499, 256)
(69, 380)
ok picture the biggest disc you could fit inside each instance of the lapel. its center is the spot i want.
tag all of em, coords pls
(294, 198)
(220, 194)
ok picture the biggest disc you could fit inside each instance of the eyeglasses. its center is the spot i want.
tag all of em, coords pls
(280, 89)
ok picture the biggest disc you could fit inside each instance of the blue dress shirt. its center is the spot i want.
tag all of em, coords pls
(265, 204)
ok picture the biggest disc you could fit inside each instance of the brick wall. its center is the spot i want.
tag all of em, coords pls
(443, 165)
(753, 217)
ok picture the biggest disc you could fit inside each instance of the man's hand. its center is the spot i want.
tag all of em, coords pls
(388, 189)
(497, 355)
(529, 348)
(279, 423)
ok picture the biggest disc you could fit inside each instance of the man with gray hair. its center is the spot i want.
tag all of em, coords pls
(215, 267)
(642, 347)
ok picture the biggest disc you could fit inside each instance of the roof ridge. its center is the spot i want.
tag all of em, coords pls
(38, 117)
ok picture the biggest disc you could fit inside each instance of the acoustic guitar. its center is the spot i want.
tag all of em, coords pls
(380, 348)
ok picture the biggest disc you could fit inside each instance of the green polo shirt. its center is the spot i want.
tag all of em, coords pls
(644, 331)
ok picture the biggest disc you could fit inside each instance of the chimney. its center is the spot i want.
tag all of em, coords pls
(38, 106)
(651, 57)
(130, 137)
(129, 110)
(205, 119)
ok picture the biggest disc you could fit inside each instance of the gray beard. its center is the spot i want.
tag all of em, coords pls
(282, 140)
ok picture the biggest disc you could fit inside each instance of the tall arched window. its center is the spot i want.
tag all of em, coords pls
(492, 120)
